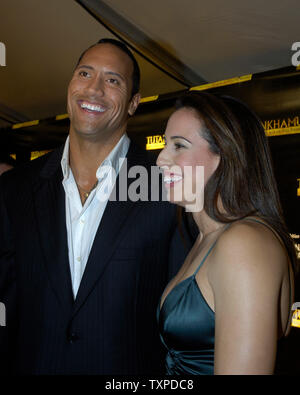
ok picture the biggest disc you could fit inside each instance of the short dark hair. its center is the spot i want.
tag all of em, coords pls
(136, 75)
(244, 178)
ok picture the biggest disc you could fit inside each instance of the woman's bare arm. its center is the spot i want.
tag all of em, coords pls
(246, 278)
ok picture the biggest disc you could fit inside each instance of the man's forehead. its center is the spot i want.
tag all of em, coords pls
(109, 56)
(107, 49)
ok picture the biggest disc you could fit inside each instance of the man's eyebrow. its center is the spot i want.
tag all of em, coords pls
(180, 137)
(115, 74)
(85, 66)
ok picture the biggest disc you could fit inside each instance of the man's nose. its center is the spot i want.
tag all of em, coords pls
(96, 85)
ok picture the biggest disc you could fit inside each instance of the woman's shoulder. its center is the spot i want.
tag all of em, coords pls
(250, 242)
(248, 263)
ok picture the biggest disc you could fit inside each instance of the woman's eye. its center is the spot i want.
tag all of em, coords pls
(178, 146)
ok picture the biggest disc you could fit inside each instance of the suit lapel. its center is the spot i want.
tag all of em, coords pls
(51, 219)
(109, 233)
(49, 200)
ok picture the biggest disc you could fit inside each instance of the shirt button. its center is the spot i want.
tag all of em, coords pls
(78, 259)
(82, 221)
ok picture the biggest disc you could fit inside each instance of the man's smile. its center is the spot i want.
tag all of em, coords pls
(92, 108)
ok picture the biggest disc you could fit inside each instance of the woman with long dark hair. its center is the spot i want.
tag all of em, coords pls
(230, 303)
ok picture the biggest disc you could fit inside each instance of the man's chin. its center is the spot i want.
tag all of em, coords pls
(87, 131)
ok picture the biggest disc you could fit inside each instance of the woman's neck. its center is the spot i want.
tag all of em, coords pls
(206, 225)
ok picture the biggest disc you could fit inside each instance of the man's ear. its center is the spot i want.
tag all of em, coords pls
(134, 102)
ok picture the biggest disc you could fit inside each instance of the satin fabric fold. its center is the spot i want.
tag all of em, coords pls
(187, 329)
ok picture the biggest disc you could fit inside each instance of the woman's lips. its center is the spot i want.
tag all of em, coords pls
(171, 179)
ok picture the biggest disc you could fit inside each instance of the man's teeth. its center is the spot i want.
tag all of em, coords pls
(169, 179)
(92, 107)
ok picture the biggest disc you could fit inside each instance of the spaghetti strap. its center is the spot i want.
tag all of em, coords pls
(262, 223)
(267, 226)
(209, 251)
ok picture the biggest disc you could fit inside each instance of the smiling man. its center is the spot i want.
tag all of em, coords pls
(100, 99)
(81, 275)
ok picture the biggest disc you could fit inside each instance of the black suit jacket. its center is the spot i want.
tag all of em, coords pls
(111, 326)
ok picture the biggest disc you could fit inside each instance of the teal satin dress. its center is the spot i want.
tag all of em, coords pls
(187, 328)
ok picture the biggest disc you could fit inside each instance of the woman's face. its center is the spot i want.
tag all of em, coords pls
(186, 160)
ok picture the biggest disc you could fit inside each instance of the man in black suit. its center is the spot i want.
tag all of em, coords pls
(81, 275)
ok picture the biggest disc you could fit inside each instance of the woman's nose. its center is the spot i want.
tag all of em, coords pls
(164, 161)
(161, 159)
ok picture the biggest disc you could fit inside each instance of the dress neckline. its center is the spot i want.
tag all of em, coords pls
(195, 272)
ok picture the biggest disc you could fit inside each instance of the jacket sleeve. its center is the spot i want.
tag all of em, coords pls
(7, 289)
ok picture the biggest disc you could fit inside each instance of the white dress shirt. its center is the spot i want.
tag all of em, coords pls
(82, 221)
